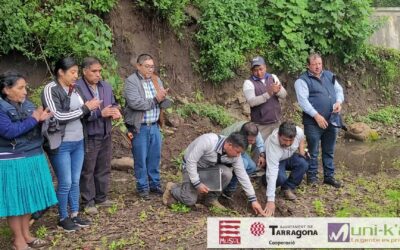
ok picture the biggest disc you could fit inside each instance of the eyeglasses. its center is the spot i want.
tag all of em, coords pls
(147, 66)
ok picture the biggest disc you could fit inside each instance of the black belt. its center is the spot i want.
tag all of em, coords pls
(148, 123)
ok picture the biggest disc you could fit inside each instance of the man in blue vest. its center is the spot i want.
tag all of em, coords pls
(319, 95)
(263, 92)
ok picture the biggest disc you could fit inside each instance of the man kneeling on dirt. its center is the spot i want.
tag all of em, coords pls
(254, 139)
(211, 151)
(281, 146)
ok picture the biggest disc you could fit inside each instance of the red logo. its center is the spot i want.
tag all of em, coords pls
(229, 232)
(257, 229)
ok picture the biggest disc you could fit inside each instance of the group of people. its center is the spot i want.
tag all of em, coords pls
(73, 126)
(276, 146)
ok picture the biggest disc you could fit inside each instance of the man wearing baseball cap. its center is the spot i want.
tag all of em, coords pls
(263, 92)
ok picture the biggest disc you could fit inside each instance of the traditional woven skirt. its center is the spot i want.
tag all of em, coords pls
(25, 186)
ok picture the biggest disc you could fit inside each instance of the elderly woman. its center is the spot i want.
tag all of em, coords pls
(64, 100)
(25, 180)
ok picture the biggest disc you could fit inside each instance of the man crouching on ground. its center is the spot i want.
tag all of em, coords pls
(211, 151)
(280, 147)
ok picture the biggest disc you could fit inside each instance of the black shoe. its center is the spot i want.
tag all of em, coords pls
(228, 194)
(333, 182)
(144, 195)
(81, 222)
(68, 225)
(157, 190)
(313, 182)
(264, 180)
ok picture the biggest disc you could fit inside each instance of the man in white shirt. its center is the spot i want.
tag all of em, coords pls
(281, 146)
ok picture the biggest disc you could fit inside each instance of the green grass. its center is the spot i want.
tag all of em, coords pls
(180, 208)
(215, 113)
(389, 115)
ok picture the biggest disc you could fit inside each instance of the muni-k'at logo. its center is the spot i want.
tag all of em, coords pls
(338, 232)
(229, 232)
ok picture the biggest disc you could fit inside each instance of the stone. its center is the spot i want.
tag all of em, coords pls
(174, 120)
(122, 164)
(361, 132)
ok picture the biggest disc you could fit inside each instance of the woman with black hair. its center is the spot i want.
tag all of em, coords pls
(25, 181)
(61, 97)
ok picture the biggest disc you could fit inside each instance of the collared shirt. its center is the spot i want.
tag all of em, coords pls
(236, 127)
(302, 93)
(203, 153)
(153, 114)
(275, 154)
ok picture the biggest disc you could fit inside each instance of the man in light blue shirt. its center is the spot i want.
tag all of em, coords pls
(254, 138)
(319, 95)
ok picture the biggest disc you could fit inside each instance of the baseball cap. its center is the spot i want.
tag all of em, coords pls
(257, 61)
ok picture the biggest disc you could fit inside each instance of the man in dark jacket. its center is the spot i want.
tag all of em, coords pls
(95, 177)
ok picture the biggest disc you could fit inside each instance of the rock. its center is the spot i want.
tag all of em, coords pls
(182, 100)
(349, 84)
(174, 120)
(122, 164)
(361, 132)
(246, 110)
(241, 99)
(168, 131)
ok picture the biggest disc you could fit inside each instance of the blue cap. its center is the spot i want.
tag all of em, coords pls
(336, 120)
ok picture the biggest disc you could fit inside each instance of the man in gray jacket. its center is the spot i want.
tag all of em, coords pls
(211, 151)
(143, 97)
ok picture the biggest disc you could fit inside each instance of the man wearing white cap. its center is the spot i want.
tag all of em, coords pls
(263, 92)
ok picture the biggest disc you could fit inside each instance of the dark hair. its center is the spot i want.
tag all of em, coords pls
(8, 80)
(287, 129)
(89, 61)
(143, 57)
(313, 55)
(64, 64)
(249, 129)
(238, 140)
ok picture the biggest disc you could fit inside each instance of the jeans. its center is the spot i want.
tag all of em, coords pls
(96, 172)
(250, 167)
(146, 151)
(297, 165)
(67, 163)
(314, 134)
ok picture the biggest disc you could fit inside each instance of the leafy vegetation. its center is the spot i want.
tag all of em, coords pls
(49, 30)
(215, 113)
(41, 232)
(283, 31)
(180, 208)
(378, 195)
(389, 115)
(386, 3)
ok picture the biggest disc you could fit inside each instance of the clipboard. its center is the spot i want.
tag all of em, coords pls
(211, 177)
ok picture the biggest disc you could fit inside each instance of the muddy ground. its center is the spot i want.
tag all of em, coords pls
(137, 224)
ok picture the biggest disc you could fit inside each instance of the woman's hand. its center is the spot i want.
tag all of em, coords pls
(41, 115)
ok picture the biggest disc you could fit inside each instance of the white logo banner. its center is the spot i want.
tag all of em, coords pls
(296, 232)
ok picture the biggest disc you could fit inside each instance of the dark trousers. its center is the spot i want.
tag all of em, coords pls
(297, 165)
(327, 137)
(95, 177)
